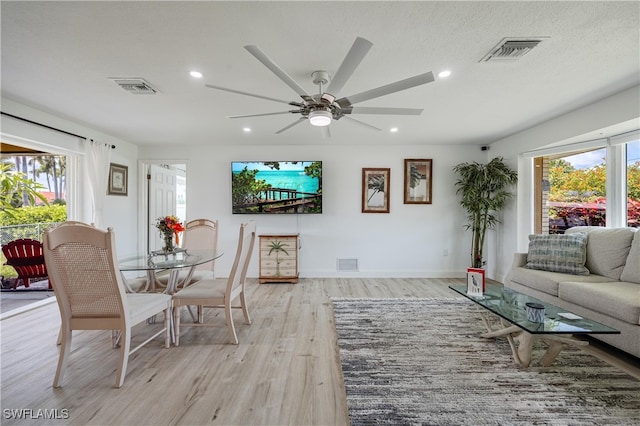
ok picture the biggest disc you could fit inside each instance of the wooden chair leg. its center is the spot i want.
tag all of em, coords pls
(65, 349)
(176, 324)
(125, 346)
(229, 318)
(245, 310)
(167, 327)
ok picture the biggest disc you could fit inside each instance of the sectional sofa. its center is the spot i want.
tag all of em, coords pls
(590, 271)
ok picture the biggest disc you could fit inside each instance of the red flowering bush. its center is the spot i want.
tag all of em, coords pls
(567, 215)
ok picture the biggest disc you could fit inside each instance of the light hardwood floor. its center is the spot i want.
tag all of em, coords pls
(285, 370)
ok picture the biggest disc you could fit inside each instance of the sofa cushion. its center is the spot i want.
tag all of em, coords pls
(607, 249)
(558, 253)
(618, 299)
(547, 282)
(631, 270)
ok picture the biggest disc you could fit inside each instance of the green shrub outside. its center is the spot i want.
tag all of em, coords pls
(35, 214)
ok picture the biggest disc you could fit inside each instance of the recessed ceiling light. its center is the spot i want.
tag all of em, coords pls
(195, 74)
(246, 129)
(444, 74)
(393, 129)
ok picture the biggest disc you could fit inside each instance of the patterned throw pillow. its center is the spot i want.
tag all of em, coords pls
(558, 253)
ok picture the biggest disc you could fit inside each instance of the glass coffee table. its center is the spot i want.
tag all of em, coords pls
(504, 314)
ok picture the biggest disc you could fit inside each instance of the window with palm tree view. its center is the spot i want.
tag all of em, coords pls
(33, 197)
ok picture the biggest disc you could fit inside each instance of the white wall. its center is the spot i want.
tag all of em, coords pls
(410, 241)
(620, 108)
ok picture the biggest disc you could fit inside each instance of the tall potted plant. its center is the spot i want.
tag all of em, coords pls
(484, 191)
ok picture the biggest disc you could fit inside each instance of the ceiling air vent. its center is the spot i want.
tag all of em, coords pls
(137, 86)
(511, 49)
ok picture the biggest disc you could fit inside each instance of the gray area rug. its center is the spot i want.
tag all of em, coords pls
(422, 362)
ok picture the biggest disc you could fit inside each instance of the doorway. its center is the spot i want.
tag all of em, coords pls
(163, 190)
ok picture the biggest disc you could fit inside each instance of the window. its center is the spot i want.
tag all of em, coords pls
(48, 174)
(575, 190)
(595, 183)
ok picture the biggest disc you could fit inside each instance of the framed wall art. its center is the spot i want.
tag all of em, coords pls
(118, 180)
(375, 190)
(417, 181)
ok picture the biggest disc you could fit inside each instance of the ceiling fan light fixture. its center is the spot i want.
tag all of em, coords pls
(320, 118)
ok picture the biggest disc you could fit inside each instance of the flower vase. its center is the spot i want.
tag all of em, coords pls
(168, 243)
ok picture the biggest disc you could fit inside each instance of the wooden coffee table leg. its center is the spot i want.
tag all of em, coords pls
(525, 346)
(556, 345)
(502, 332)
(552, 352)
(522, 351)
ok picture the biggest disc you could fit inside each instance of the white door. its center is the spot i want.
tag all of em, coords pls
(162, 199)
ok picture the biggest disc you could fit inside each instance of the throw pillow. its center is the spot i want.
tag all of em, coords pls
(558, 253)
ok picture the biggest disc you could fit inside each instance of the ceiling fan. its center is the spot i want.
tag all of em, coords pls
(322, 108)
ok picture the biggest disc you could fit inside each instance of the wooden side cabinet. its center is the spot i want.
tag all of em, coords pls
(279, 258)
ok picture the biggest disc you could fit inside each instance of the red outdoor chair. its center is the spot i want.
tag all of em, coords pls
(27, 258)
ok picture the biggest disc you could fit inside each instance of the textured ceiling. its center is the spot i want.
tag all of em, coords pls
(59, 56)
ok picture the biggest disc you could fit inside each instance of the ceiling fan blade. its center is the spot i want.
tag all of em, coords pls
(240, 92)
(282, 75)
(350, 62)
(262, 115)
(298, 121)
(363, 123)
(387, 89)
(326, 133)
(382, 110)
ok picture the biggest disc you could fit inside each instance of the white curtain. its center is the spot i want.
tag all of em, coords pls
(98, 157)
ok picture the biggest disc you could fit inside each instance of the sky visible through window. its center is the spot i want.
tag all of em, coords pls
(587, 159)
(594, 158)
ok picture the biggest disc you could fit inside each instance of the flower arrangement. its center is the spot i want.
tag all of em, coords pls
(169, 226)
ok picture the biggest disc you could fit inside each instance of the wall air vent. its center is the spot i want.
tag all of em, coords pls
(347, 265)
(137, 86)
(511, 49)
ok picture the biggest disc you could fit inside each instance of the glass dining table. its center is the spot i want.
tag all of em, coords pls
(172, 262)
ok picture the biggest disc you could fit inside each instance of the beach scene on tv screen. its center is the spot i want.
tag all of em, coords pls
(276, 187)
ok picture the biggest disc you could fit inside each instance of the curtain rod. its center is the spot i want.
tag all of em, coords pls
(49, 127)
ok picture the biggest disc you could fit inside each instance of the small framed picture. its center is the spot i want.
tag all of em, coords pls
(475, 282)
(118, 179)
(417, 181)
(375, 190)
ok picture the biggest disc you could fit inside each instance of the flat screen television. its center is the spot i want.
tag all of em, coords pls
(276, 187)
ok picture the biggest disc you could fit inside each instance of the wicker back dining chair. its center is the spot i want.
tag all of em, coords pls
(199, 234)
(220, 293)
(81, 261)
